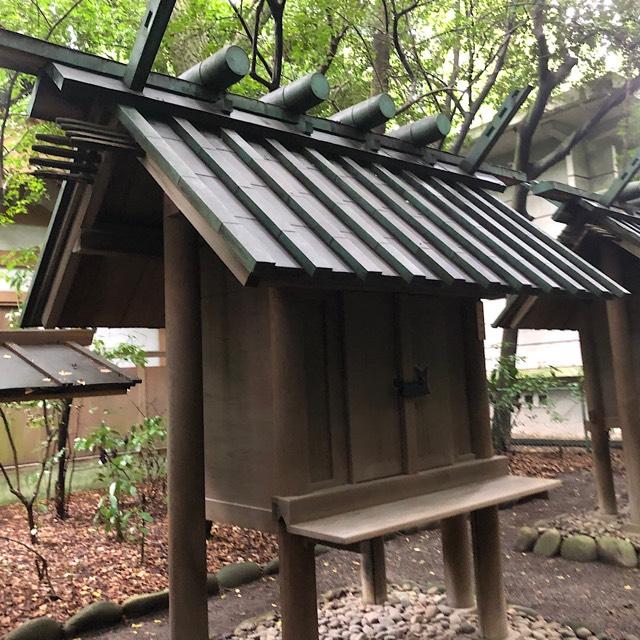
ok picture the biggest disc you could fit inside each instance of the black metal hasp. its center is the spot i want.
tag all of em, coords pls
(154, 24)
(221, 70)
(368, 114)
(616, 188)
(300, 95)
(483, 145)
(424, 131)
(415, 388)
(80, 147)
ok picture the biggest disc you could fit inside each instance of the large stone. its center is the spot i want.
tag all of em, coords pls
(607, 547)
(548, 544)
(213, 588)
(579, 548)
(145, 603)
(628, 554)
(37, 629)
(235, 575)
(98, 615)
(616, 551)
(527, 537)
(272, 567)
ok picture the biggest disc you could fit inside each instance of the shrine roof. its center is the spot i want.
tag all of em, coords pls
(588, 225)
(282, 199)
(36, 364)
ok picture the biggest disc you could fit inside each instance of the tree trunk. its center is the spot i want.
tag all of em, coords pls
(31, 520)
(502, 409)
(63, 457)
(381, 58)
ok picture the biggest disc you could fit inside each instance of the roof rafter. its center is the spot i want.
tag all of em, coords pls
(152, 28)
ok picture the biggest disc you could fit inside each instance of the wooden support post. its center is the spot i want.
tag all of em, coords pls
(373, 571)
(624, 375)
(298, 599)
(476, 379)
(492, 604)
(187, 547)
(458, 562)
(600, 451)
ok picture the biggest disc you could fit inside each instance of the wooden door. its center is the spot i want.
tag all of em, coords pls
(431, 337)
(371, 366)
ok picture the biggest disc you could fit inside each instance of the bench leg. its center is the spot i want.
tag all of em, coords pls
(492, 604)
(373, 572)
(298, 598)
(458, 561)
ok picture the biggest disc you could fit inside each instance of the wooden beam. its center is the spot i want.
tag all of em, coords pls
(154, 24)
(619, 184)
(602, 468)
(297, 586)
(120, 240)
(458, 561)
(373, 572)
(624, 375)
(188, 616)
(492, 604)
(48, 336)
(484, 144)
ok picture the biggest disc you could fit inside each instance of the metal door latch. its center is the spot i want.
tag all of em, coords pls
(415, 388)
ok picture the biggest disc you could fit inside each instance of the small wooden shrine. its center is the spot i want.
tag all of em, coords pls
(320, 286)
(605, 231)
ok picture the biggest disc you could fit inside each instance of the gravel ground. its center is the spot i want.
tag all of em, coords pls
(597, 596)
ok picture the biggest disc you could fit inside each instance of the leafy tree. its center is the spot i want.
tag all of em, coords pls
(509, 393)
(40, 415)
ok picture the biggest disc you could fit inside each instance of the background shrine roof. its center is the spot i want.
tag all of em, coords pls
(36, 364)
(589, 224)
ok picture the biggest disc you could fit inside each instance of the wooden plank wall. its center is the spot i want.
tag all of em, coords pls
(238, 403)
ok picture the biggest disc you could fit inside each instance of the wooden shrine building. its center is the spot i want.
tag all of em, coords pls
(607, 235)
(320, 286)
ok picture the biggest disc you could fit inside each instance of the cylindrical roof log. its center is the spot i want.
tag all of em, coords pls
(220, 70)
(424, 131)
(368, 114)
(300, 95)
(630, 192)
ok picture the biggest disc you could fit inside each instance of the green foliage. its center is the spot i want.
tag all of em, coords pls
(511, 391)
(19, 266)
(124, 351)
(132, 472)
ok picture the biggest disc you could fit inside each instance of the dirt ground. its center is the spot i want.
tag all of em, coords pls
(600, 597)
(87, 564)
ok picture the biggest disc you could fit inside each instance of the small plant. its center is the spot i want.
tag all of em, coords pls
(40, 415)
(132, 472)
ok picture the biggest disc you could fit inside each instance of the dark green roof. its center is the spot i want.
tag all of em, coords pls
(281, 198)
(286, 209)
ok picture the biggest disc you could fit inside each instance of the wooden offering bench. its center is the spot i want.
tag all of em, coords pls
(320, 286)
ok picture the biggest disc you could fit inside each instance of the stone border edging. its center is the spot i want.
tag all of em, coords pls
(578, 547)
(104, 613)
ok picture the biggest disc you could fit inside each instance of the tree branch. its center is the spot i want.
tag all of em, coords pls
(615, 98)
